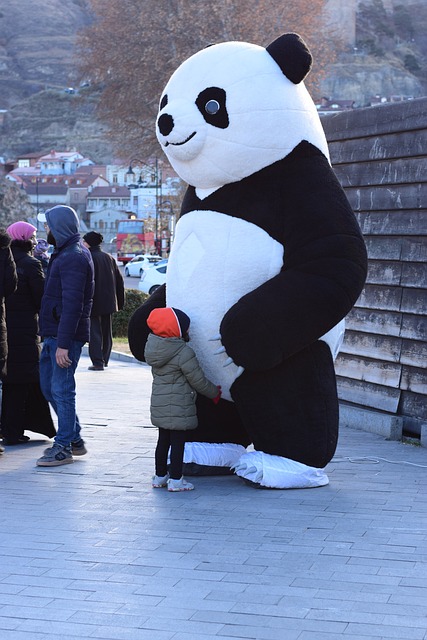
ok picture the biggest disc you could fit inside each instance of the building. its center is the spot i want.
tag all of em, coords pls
(329, 105)
(106, 221)
(62, 162)
(105, 206)
(102, 195)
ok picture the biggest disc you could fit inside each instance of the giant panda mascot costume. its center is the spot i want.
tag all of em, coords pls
(267, 261)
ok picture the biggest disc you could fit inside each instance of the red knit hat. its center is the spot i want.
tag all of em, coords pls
(168, 322)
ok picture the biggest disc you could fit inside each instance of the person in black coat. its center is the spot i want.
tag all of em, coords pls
(8, 283)
(109, 297)
(23, 404)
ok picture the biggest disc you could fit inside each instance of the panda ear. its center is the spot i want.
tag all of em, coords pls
(292, 55)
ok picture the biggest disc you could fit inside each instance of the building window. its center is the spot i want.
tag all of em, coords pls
(115, 178)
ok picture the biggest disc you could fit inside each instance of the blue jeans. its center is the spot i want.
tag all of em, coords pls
(59, 388)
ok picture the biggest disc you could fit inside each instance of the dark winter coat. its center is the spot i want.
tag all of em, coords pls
(8, 283)
(22, 310)
(69, 287)
(177, 377)
(109, 293)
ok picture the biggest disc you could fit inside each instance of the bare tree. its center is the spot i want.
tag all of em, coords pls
(133, 46)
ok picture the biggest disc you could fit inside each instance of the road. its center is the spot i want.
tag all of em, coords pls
(130, 283)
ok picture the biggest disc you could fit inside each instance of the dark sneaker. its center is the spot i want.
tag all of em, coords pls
(95, 368)
(78, 448)
(55, 456)
(14, 441)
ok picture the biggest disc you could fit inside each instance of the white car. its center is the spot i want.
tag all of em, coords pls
(136, 266)
(152, 278)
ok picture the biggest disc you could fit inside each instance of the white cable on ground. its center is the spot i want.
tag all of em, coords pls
(375, 460)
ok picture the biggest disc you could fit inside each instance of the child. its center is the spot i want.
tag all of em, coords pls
(177, 377)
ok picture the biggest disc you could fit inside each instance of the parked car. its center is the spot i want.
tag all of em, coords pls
(136, 266)
(152, 278)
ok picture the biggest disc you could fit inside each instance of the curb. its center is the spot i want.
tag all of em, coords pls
(116, 355)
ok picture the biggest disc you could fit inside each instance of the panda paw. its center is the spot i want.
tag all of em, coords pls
(274, 472)
(221, 349)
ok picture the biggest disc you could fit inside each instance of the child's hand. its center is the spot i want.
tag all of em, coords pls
(217, 398)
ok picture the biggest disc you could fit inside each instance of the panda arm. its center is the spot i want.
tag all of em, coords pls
(323, 274)
(137, 329)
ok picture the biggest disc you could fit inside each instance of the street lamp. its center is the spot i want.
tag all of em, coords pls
(37, 195)
(37, 181)
(158, 186)
(171, 225)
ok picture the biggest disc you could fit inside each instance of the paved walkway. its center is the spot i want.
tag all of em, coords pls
(89, 550)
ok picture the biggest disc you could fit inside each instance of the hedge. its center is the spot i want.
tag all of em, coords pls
(133, 300)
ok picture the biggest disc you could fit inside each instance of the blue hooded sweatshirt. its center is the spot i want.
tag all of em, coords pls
(69, 286)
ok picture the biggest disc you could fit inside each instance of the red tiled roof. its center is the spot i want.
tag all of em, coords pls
(46, 189)
(109, 192)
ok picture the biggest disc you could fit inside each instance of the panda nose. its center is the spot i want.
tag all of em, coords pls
(165, 124)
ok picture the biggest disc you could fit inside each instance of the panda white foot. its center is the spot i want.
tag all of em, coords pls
(266, 471)
(208, 459)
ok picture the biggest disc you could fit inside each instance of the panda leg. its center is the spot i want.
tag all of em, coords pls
(218, 442)
(292, 410)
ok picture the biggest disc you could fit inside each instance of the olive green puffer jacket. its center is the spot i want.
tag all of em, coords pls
(177, 378)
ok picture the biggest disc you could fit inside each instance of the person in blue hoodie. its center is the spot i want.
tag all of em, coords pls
(64, 326)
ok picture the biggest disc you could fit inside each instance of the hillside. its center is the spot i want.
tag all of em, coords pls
(37, 64)
(389, 56)
(36, 46)
(56, 120)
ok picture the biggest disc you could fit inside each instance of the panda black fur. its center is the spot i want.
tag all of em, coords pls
(267, 259)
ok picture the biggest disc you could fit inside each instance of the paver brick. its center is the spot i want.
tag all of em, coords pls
(90, 550)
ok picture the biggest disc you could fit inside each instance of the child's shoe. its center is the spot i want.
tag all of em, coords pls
(158, 482)
(179, 485)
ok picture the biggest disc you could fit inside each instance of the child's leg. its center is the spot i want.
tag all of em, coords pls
(177, 443)
(162, 450)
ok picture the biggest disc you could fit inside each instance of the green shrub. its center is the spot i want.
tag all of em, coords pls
(133, 300)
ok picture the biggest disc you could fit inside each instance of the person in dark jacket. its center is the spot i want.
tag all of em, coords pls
(64, 325)
(23, 404)
(108, 298)
(177, 378)
(8, 283)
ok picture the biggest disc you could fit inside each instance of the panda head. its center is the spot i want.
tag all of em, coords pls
(235, 108)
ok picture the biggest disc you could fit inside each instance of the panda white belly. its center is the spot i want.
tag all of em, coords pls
(215, 260)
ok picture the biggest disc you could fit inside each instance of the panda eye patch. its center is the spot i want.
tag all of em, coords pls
(212, 107)
(211, 103)
(163, 102)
